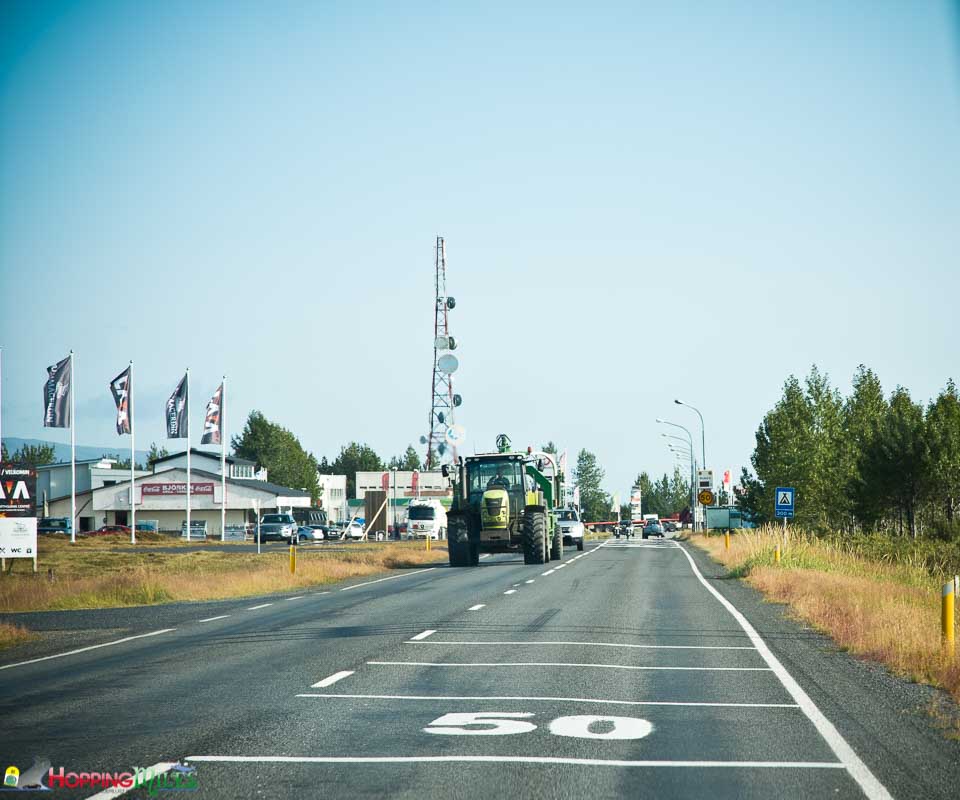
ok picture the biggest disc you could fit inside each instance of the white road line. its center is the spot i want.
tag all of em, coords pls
(211, 619)
(317, 592)
(298, 597)
(389, 578)
(610, 644)
(85, 649)
(332, 679)
(516, 584)
(587, 762)
(156, 770)
(477, 607)
(552, 700)
(510, 591)
(530, 581)
(262, 605)
(487, 664)
(859, 771)
(421, 636)
(548, 572)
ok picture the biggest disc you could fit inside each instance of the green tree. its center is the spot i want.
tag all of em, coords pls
(33, 455)
(943, 425)
(408, 462)
(589, 478)
(355, 458)
(155, 453)
(864, 412)
(3, 452)
(550, 448)
(274, 447)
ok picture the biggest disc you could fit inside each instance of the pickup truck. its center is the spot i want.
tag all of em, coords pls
(277, 526)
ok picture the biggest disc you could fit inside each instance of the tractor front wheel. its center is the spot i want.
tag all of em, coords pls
(535, 538)
(556, 550)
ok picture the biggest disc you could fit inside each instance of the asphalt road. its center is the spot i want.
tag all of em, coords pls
(631, 670)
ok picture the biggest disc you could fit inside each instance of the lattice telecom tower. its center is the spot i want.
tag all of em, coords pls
(444, 434)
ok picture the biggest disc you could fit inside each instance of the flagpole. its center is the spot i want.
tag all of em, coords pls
(187, 404)
(73, 453)
(1, 398)
(133, 462)
(223, 460)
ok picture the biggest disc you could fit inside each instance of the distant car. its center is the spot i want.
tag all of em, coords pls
(277, 526)
(670, 526)
(653, 529)
(310, 533)
(54, 525)
(150, 526)
(571, 526)
(355, 531)
(106, 530)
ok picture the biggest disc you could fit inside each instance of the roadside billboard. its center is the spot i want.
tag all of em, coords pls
(18, 512)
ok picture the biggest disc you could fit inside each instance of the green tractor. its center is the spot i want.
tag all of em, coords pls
(501, 504)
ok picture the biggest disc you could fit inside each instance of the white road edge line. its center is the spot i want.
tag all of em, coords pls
(388, 578)
(510, 591)
(211, 619)
(160, 768)
(486, 664)
(553, 700)
(85, 649)
(477, 607)
(588, 762)
(421, 636)
(262, 605)
(859, 771)
(298, 597)
(332, 679)
(530, 581)
(609, 644)
(548, 572)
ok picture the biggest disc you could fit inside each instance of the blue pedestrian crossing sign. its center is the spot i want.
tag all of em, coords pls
(784, 502)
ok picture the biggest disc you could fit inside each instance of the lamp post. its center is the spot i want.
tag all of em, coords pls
(703, 435)
(693, 467)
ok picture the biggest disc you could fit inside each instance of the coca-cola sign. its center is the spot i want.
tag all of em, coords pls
(174, 489)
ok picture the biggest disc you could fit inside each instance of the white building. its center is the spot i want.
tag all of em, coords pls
(237, 468)
(425, 484)
(333, 496)
(53, 480)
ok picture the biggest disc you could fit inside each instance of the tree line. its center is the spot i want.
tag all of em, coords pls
(862, 463)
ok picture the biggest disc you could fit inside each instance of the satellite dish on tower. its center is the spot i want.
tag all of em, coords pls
(457, 400)
(423, 440)
(445, 343)
(448, 364)
(456, 435)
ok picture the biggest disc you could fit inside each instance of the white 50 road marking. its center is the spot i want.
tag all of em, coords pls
(85, 649)
(508, 723)
(859, 771)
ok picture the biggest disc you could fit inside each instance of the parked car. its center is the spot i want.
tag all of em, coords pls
(653, 529)
(355, 531)
(310, 533)
(148, 526)
(105, 530)
(54, 525)
(669, 526)
(571, 527)
(277, 526)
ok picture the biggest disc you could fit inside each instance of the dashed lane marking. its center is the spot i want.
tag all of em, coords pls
(421, 636)
(388, 578)
(488, 664)
(262, 605)
(530, 581)
(587, 762)
(510, 591)
(501, 698)
(332, 679)
(608, 644)
(477, 607)
(298, 597)
(212, 619)
(548, 572)
(85, 649)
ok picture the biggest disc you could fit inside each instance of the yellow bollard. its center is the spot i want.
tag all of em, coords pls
(293, 559)
(947, 602)
(776, 554)
(429, 537)
(726, 540)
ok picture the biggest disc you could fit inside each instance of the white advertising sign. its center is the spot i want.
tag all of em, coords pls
(18, 537)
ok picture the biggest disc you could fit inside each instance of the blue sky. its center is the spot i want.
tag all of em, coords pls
(640, 201)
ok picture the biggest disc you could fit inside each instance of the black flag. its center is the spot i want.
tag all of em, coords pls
(56, 395)
(177, 411)
(212, 428)
(120, 386)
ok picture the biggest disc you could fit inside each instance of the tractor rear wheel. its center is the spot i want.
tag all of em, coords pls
(535, 538)
(556, 549)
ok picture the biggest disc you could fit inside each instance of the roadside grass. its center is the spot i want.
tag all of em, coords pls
(13, 634)
(882, 609)
(108, 572)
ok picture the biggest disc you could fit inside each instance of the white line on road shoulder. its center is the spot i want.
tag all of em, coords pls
(332, 679)
(510, 591)
(212, 619)
(588, 762)
(85, 649)
(859, 771)
(160, 768)
(388, 578)
(610, 644)
(262, 605)
(298, 597)
(446, 698)
(421, 636)
(477, 607)
(486, 664)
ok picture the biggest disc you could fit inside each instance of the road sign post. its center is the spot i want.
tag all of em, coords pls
(784, 503)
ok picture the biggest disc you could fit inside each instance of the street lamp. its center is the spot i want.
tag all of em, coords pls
(693, 467)
(703, 435)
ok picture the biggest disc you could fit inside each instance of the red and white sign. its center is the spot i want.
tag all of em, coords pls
(726, 477)
(174, 489)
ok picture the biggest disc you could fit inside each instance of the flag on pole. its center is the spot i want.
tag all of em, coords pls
(212, 422)
(176, 411)
(56, 395)
(120, 387)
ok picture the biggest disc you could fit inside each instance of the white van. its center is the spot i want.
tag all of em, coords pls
(426, 518)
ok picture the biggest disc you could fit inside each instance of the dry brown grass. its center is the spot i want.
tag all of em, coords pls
(13, 634)
(91, 575)
(885, 612)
